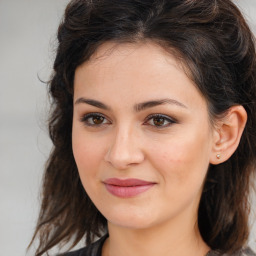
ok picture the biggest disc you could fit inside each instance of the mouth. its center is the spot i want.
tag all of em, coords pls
(128, 187)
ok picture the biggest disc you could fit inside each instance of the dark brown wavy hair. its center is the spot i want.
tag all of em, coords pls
(216, 46)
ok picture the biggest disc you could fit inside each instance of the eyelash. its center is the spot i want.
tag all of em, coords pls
(165, 118)
(168, 121)
(85, 119)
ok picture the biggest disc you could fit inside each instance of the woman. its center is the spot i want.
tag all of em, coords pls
(153, 127)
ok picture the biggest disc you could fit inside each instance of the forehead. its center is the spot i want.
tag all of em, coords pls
(141, 70)
(113, 58)
(146, 50)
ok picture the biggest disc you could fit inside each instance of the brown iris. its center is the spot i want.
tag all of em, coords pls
(98, 119)
(158, 121)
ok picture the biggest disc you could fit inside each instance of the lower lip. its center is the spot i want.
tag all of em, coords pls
(126, 192)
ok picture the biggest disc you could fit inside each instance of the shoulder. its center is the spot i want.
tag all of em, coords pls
(93, 249)
(244, 252)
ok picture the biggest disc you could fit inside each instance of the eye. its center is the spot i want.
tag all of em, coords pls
(159, 120)
(94, 119)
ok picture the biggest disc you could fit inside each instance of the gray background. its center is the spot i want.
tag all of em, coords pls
(27, 43)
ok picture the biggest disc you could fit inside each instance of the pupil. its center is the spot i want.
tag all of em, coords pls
(98, 119)
(158, 121)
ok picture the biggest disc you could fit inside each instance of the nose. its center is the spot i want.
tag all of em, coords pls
(124, 149)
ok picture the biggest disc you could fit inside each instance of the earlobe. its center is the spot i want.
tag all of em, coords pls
(228, 134)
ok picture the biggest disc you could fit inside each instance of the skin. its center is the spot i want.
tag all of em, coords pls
(128, 143)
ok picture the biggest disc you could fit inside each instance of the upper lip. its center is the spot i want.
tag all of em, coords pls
(127, 182)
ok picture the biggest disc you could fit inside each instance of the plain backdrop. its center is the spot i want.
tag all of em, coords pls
(27, 45)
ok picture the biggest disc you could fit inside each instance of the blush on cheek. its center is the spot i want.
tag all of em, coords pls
(173, 155)
(180, 163)
(83, 148)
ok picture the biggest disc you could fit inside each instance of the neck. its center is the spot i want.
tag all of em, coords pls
(165, 240)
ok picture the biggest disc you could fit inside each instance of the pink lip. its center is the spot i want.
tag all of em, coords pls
(128, 187)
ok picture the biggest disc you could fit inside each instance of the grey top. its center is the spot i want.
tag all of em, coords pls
(244, 252)
(95, 250)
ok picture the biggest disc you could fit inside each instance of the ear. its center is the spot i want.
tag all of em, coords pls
(227, 134)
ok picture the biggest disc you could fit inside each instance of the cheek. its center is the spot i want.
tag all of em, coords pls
(183, 161)
(87, 153)
(87, 157)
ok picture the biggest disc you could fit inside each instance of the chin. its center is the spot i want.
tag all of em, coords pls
(131, 221)
(131, 224)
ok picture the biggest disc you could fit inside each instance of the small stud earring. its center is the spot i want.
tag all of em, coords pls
(218, 156)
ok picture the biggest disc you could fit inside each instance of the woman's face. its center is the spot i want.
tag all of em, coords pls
(142, 140)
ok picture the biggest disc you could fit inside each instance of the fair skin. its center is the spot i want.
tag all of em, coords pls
(138, 116)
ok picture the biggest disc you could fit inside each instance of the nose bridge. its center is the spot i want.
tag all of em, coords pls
(124, 148)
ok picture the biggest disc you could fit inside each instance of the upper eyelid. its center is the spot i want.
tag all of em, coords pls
(83, 116)
(161, 115)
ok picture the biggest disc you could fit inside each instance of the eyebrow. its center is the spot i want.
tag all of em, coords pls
(153, 103)
(137, 107)
(94, 103)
